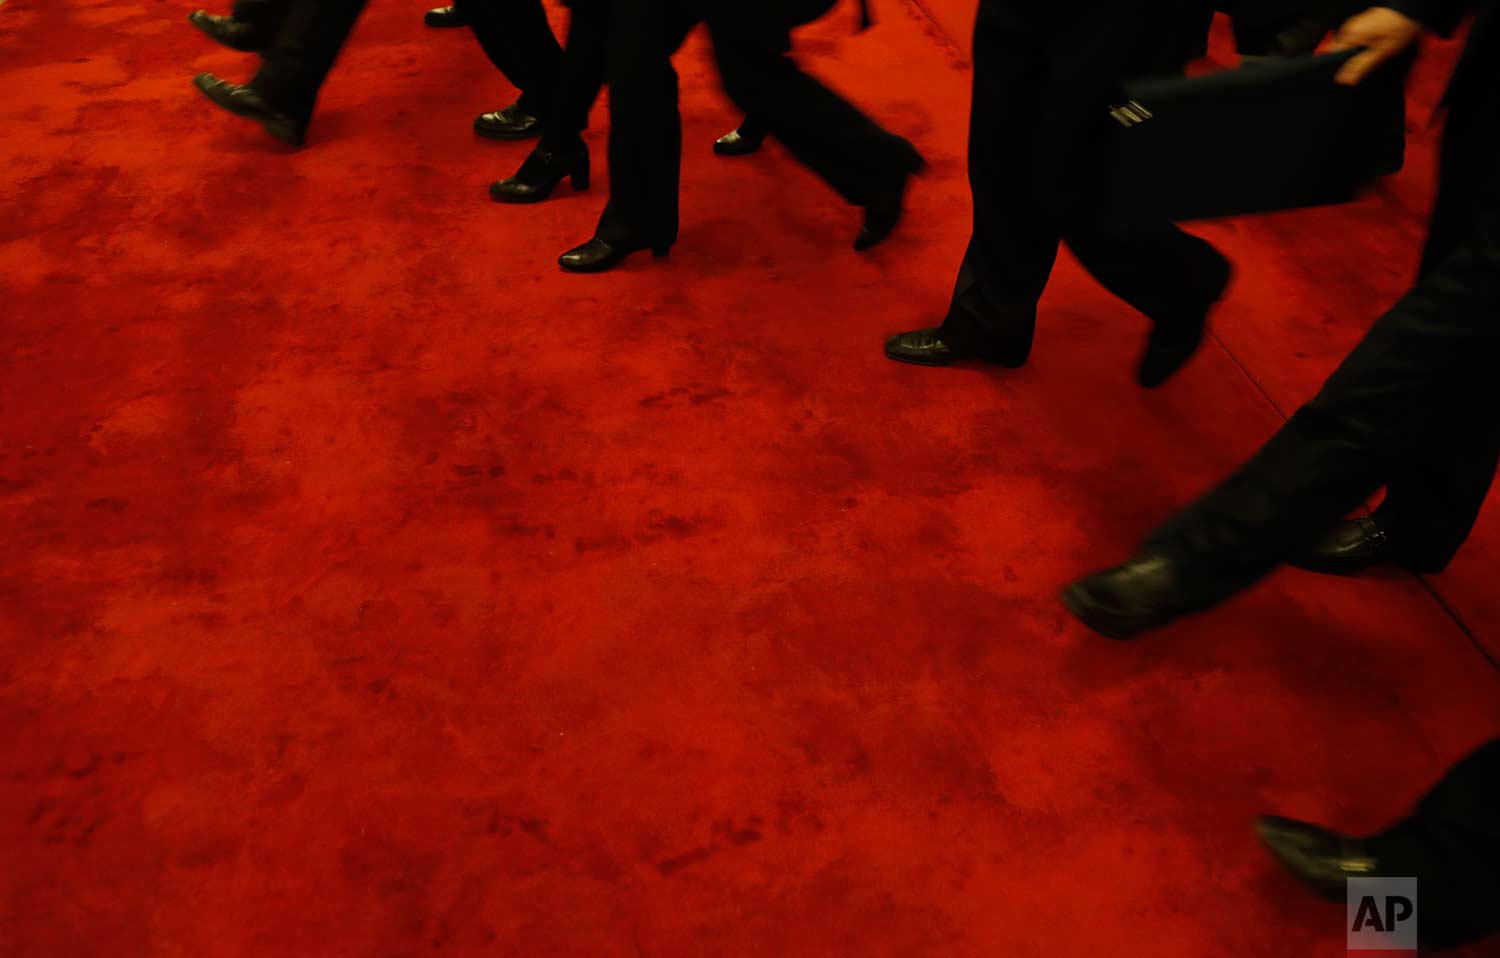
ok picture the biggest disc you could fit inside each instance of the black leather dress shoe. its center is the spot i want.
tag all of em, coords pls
(597, 255)
(1144, 593)
(1351, 547)
(540, 174)
(1323, 860)
(739, 143)
(883, 213)
(881, 219)
(511, 123)
(922, 347)
(243, 101)
(234, 34)
(1175, 338)
(444, 17)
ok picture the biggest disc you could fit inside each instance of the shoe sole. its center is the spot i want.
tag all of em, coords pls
(958, 361)
(912, 361)
(1341, 570)
(228, 106)
(534, 198)
(1333, 892)
(736, 151)
(1112, 629)
(237, 48)
(606, 267)
(518, 201)
(272, 127)
(539, 197)
(506, 137)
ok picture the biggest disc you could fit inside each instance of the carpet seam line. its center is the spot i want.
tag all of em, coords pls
(921, 7)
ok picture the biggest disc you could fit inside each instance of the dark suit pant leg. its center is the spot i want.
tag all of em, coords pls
(294, 68)
(518, 39)
(1434, 498)
(1014, 241)
(1043, 77)
(645, 137)
(1160, 270)
(265, 16)
(1451, 844)
(825, 132)
(1413, 373)
(753, 126)
(584, 62)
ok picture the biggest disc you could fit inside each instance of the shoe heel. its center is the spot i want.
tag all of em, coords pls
(580, 179)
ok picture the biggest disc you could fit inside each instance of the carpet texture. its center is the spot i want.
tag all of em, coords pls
(373, 589)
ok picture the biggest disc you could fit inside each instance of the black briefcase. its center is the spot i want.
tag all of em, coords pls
(1270, 136)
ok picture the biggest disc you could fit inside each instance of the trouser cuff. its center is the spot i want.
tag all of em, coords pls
(965, 334)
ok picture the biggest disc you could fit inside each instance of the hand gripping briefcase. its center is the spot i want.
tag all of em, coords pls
(1271, 136)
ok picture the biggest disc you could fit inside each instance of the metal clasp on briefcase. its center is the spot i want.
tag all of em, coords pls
(1130, 114)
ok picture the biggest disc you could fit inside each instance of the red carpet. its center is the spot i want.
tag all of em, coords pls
(372, 589)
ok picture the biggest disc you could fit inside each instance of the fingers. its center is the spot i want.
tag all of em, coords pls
(1360, 66)
(1383, 33)
(1346, 39)
(1357, 31)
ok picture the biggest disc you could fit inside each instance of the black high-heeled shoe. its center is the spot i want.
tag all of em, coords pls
(598, 255)
(540, 174)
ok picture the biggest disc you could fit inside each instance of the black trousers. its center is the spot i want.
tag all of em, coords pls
(1044, 78)
(517, 38)
(581, 75)
(847, 149)
(264, 15)
(825, 132)
(307, 42)
(645, 134)
(1451, 845)
(1415, 408)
